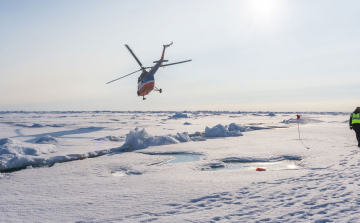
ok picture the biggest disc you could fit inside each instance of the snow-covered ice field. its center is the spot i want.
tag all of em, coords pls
(113, 167)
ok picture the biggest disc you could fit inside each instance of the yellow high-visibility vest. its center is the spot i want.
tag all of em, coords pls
(355, 118)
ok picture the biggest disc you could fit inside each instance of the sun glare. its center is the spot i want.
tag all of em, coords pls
(264, 13)
(263, 9)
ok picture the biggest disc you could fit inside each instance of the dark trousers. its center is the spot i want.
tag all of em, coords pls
(356, 128)
(358, 136)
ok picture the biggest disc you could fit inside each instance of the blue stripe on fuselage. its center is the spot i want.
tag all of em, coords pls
(149, 78)
(150, 75)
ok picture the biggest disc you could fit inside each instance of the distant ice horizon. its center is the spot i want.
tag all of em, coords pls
(180, 111)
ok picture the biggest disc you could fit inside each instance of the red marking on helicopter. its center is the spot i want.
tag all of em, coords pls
(146, 88)
(146, 81)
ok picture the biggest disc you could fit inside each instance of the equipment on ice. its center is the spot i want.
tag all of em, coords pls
(146, 80)
(260, 169)
(298, 121)
(298, 117)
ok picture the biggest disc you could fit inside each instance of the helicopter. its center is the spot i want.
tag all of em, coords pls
(146, 80)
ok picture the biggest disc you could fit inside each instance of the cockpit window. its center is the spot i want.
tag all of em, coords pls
(143, 74)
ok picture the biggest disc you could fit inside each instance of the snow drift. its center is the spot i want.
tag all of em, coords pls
(221, 131)
(142, 139)
(46, 140)
(15, 154)
(226, 131)
(240, 128)
(111, 138)
(37, 125)
(179, 115)
(13, 147)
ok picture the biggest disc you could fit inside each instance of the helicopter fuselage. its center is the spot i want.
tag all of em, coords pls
(146, 81)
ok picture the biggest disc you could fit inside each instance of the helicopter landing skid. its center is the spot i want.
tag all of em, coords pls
(157, 89)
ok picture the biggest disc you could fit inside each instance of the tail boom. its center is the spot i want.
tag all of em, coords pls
(163, 53)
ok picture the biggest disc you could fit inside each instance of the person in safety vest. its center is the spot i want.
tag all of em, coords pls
(354, 123)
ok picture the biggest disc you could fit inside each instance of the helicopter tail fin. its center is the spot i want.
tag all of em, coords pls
(168, 44)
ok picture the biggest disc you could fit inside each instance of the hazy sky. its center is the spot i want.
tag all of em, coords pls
(268, 55)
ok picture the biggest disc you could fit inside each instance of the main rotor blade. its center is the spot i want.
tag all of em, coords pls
(137, 60)
(169, 64)
(123, 76)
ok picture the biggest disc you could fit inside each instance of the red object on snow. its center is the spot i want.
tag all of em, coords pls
(260, 169)
(298, 116)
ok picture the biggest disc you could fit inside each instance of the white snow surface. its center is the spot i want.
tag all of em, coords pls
(127, 181)
(46, 140)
